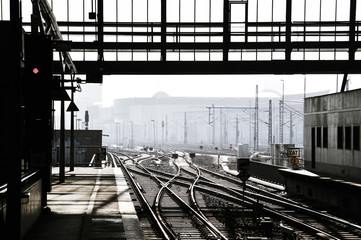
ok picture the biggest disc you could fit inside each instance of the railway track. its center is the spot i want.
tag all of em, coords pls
(187, 202)
(171, 210)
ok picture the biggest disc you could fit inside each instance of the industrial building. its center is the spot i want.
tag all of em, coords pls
(332, 135)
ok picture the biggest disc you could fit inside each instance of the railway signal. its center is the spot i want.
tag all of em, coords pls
(294, 154)
(244, 175)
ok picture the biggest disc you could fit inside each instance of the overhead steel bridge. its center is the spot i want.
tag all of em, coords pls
(207, 36)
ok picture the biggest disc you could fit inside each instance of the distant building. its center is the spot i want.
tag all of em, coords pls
(332, 134)
(172, 114)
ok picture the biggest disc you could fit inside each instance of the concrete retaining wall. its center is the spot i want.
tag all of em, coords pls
(267, 172)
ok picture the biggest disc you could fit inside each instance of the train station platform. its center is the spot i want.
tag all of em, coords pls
(92, 203)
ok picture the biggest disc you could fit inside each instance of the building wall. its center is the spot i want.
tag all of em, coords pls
(335, 120)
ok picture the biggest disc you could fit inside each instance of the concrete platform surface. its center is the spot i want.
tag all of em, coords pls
(92, 203)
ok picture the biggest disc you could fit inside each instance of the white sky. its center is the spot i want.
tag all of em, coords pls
(136, 86)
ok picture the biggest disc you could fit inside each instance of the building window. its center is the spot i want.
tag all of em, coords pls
(318, 137)
(340, 137)
(313, 147)
(356, 137)
(347, 137)
(325, 137)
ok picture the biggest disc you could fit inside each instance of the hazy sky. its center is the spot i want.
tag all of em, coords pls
(129, 86)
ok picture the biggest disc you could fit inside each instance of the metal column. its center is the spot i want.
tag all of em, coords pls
(270, 123)
(256, 121)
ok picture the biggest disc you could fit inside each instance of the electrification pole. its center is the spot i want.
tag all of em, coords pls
(185, 128)
(221, 130)
(291, 127)
(282, 102)
(166, 128)
(256, 121)
(237, 132)
(270, 123)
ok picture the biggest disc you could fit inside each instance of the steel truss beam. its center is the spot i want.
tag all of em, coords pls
(284, 38)
(219, 67)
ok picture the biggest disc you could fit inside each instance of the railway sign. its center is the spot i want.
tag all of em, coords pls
(294, 161)
(293, 152)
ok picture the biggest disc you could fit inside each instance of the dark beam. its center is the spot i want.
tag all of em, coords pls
(219, 46)
(163, 30)
(226, 32)
(220, 67)
(288, 29)
(352, 29)
(12, 125)
(100, 30)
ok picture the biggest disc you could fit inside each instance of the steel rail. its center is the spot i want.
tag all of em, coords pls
(185, 206)
(283, 202)
(291, 203)
(164, 232)
(159, 218)
(158, 198)
(234, 196)
(277, 214)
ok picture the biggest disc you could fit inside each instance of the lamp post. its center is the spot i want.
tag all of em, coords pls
(153, 133)
(117, 134)
(77, 123)
(282, 111)
(132, 135)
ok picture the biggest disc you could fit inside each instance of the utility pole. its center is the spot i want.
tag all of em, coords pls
(214, 126)
(256, 121)
(117, 134)
(270, 124)
(281, 122)
(220, 128)
(132, 135)
(237, 132)
(225, 130)
(212, 123)
(153, 133)
(166, 128)
(291, 127)
(185, 128)
(86, 120)
(162, 132)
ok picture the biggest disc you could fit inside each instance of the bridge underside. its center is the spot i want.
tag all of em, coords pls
(204, 36)
(217, 67)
